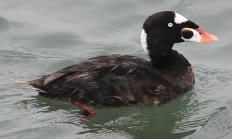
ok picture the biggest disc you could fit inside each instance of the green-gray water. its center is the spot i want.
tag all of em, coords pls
(38, 37)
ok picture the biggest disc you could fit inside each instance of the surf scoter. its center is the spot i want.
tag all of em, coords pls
(117, 80)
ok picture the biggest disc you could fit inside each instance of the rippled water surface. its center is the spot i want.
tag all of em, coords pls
(41, 36)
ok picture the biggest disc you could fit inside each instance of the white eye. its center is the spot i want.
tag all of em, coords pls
(170, 25)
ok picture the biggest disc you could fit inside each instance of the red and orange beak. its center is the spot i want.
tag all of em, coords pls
(206, 37)
(197, 35)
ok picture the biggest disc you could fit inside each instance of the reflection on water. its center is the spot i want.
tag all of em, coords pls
(40, 37)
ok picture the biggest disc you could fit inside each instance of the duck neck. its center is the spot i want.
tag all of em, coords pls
(163, 57)
(171, 65)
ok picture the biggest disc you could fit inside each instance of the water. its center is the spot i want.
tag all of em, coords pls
(39, 37)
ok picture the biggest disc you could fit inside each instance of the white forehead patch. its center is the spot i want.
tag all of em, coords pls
(179, 19)
(144, 40)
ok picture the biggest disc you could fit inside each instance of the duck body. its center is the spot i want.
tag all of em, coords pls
(121, 79)
(116, 80)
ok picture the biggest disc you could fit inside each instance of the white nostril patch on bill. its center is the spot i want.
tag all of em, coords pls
(195, 38)
(179, 19)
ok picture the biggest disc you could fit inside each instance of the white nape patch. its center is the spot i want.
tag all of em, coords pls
(144, 40)
(195, 38)
(179, 19)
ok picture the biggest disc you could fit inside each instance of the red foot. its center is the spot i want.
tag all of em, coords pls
(86, 111)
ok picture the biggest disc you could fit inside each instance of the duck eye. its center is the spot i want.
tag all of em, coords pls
(170, 25)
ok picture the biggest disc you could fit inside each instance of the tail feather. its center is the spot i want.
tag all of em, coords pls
(26, 84)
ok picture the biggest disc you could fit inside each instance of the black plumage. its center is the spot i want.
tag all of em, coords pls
(114, 80)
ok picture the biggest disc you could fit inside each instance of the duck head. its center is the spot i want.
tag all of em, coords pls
(167, 27)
